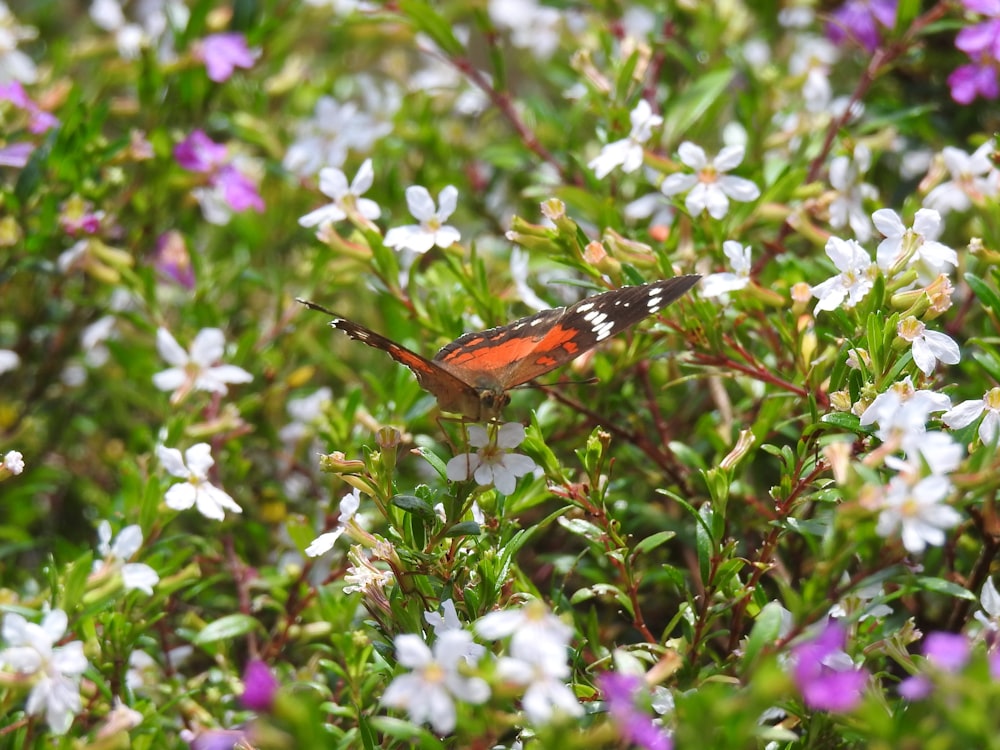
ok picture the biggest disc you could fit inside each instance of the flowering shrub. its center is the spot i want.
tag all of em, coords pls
(764, 516)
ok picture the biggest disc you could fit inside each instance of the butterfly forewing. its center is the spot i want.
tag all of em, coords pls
(432, 377)
(529, 347)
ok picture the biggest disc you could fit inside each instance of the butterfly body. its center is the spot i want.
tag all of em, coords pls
(473, 374)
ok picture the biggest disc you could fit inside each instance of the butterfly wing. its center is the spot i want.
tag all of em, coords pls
(452, 393)
(532, 346)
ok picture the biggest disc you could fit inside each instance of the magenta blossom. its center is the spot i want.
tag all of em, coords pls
(636, 726)
(199, 153)
(40, 121)
(223, 53)
(259, 686)
(172, 260)
(861, 21)
(825, 674)
(949, 652)
(229, 189)
(981, 42)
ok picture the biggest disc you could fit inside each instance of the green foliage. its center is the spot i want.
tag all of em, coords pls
(709, 488)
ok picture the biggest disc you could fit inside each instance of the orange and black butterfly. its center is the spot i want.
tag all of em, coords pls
(472, 375)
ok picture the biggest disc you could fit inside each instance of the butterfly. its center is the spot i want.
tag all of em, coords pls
(472, 375)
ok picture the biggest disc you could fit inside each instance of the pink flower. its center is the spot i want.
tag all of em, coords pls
(228, 189)
(825, 674)
(259, 686)
(41, 121)
(861, 21)
(981, 42)
(223, 53)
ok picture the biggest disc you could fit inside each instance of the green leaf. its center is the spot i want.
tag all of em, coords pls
(226, 628)
(424, 18)
(413, 504)
(465, 528)
(983, 292)
(688, 108)
(766, 630)
(434, 460)
(652, 542)
(941, 586)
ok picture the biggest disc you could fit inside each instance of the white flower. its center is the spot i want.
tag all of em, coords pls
(536, 634)
(196, 370)
(652, 206)
(363, 577)
(446, 621)
(855, 280)
(918, 245)
(31, 650)
(968, 412)
(532, 26)
(710, 189)
(917, 511)
(973, 178)
(547, 696)
(926, 453)
(13, 461)
(211, 501)
(928, 347)
(335, 128)
(135, 576)
(903, 410)
(129, 37)
(492, 463)
(432, 229)
(989, 600)
(717, 284)
(9, 360)
(304, 411)
(347, 199)
(428, 693)
(627, 152)
(14, 64)
(847, 208)
(322, 544)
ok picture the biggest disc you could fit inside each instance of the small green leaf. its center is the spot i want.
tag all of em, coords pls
(413, 504)
(766, 630)
(652, 542)
(226, 628)
(465, 528)
(941, 586)
(424, 18)
(983, 292)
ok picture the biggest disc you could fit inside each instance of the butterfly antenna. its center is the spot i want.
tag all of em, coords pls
(533, 384)
(318, 308)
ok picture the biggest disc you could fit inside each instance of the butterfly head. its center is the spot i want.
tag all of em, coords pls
(491, 402)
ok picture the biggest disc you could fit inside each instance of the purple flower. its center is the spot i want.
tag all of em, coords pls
(237, 190)
(229, 189)
(981, 42)
(947, 651)
(994, 659)
(16, 154)
(825, 674)
(861, 21)
(915, 688)
(218, 739)
(199, 153)
(41, 121)
(260, 686)
(636, 726)
(172, 260)
(223, 53)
